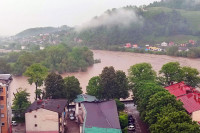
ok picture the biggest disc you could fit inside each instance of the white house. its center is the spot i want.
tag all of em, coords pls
(164, 44)
(46, 116)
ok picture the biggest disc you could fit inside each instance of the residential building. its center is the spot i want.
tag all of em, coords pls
(189, 96)
(179, 89)
(97, 116)
(164, 44)
(191, 103)
(46, 116)
(5, 103)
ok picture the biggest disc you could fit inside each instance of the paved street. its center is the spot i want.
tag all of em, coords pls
(20, 128)
(140, 126)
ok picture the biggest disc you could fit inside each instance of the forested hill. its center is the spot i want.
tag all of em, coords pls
(192, 5)
(41, 30)
(150, 24)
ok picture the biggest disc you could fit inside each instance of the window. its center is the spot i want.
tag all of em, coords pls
(35, 125)
(35, 116)
(1, 89)
(1, 97)
(1, 106)
(2, 115)
(3, 124)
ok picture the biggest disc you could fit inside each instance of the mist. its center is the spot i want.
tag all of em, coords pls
(120, 17)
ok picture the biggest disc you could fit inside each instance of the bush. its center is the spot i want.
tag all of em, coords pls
(123, 119)
(120, 105)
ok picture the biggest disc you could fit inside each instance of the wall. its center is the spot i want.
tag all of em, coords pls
(196, 116)
(4, 111)
(47, 121)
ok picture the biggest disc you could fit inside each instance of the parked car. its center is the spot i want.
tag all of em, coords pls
(131, 128)
(131, 120)
(14, 123)
(72, 115)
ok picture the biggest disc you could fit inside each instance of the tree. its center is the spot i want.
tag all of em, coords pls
(122, 85)
(191, 76)
(108, 83)
(94, 87)
(4, 66)
(54, 86)
(36, 73)
(142, 71)
(72, 88)
(171, 72)
(120, 105)
(21, 102)
(157, 102)
(173, 122)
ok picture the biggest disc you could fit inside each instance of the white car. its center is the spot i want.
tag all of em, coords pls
(14, 123)
(131, 128)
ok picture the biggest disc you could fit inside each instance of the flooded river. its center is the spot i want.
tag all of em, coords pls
(120, 61)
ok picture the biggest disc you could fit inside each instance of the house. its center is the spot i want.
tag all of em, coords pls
(191, 42)
(46, 116)
(135, 46)
(128, 45)
(171, 44)
(180, 49)
(97, 116)
(179, 89)
(23, 47)
(191, 103)
(189, 96)
(41, 47)
(5, 104)
(164, 44)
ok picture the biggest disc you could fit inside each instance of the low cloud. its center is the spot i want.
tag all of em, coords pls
(119, 17)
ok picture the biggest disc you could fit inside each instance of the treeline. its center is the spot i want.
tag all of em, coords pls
(192, 5)
(193, 52)
(150, 25)
(157, 107)
(61, 58)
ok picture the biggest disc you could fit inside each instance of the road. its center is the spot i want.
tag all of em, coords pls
(140, 126)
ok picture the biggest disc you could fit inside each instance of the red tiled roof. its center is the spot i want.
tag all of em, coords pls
(178, 89)
(191, 102)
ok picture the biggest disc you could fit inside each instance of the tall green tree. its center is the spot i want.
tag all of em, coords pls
(171, 72)
(54, 86)
(72, 88)
(36, 74)
(21, 102)
(122, 85)
(142, 71)
(93, 88)
(191, 76)
(108, 83)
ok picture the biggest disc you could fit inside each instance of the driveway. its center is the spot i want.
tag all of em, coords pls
(140, 126)
(20, 128)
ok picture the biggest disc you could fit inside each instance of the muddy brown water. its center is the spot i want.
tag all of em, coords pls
(120, 61)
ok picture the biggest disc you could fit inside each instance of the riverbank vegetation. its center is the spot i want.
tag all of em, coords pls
(60, 58)
(157, 107)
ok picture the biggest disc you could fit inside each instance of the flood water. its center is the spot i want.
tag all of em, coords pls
(120, 61)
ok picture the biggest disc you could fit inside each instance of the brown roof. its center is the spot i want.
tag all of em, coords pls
(55, 105)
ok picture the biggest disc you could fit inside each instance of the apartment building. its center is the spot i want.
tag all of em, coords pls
(5, 103)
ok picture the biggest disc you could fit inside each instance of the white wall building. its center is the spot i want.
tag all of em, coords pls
(46, 116)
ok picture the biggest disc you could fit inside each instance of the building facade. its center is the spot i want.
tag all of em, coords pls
(5, 104)
(46, 116)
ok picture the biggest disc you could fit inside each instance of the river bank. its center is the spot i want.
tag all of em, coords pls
(119, 60)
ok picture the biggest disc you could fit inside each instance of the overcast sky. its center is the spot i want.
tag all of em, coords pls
(18, 15)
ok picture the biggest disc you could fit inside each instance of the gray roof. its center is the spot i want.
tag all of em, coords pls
(5, 76)
(102, 115)
(55, 105)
